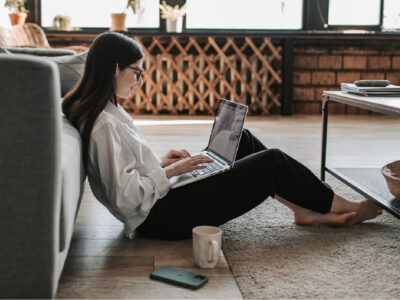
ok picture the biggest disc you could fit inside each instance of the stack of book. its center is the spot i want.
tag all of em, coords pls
(389, 90)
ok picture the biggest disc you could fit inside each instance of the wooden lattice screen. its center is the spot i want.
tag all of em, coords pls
(190, 74)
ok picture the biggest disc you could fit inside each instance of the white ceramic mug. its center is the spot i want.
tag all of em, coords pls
(206, 246)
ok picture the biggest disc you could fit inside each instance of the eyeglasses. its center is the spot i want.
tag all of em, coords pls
(138, 71)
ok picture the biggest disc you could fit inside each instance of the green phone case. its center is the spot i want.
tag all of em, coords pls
(179, 277)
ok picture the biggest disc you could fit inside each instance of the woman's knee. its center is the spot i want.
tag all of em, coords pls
(249, 144)
(274, 157)
(246, 132)
(246, 136)
(274, 153)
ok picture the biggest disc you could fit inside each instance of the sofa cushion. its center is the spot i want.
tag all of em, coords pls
(40, 51)
(72, 180)
(70, 66)
(4, 51)
(71, 69)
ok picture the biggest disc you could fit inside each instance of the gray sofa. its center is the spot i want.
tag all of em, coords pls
(70, 64)
(41, 178)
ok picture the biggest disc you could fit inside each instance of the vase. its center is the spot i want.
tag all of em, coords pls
(174, 25)
(118, 22)
(17, 18)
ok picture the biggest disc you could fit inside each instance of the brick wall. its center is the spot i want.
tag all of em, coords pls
(317, 69)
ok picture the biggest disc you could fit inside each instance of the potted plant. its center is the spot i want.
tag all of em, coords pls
(118, 19)
(62, 22)
(18, 11)
(173, 16)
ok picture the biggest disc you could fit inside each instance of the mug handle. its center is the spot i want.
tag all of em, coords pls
(214, 251)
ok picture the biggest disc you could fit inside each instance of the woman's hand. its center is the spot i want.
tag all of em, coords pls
(173, 156)
(187, 165)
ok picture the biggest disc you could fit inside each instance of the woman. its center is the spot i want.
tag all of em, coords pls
(133, 183)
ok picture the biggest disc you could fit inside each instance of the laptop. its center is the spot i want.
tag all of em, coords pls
(222, 145)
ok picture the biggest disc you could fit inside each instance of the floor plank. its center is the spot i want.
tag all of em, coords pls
(108, 266)
(144, 288)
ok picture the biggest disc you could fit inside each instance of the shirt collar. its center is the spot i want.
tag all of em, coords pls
(118, 112)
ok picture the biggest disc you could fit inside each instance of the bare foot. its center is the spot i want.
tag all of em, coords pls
(365, 209)
(343, 212)
(340, 204)
(307, 218)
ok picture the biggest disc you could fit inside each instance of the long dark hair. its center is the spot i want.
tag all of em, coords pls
(83, 104)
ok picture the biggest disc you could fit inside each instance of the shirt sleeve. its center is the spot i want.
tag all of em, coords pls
(129, 191)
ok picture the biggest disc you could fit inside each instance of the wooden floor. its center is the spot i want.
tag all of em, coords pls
(103, 264)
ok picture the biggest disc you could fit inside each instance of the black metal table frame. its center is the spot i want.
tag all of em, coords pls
(345, 179)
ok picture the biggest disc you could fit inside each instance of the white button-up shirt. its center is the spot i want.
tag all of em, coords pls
(124, 173)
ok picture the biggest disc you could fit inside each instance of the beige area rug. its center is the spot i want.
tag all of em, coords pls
(272, 258)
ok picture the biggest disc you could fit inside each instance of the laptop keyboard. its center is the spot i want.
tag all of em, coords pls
(211, 167)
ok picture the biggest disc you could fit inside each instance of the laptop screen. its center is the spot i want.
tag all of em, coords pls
(227, 129)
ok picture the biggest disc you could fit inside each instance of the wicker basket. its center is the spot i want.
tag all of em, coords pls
(391, 172)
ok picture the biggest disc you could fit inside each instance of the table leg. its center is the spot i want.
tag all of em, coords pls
(324, 139)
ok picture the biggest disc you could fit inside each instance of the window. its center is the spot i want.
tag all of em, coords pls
(96, 13)
(354, 12)
(4, 19)
(391, 14)
(249, 14)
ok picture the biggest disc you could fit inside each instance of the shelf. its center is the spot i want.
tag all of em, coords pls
(370, 183)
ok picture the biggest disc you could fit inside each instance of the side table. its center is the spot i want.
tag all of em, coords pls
(367, 181)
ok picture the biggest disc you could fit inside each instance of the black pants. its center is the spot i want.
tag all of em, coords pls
(257, 174)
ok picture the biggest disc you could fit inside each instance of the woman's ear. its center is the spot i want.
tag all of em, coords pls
(117, 70)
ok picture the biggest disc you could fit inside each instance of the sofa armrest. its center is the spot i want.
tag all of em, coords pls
(30, 126)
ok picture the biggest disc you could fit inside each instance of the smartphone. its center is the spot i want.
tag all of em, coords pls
(179, 277)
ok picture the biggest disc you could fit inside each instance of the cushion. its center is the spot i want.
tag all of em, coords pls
(71, 69)
(40, 51)
(70, 66)
(73, 178)
(4, 51)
